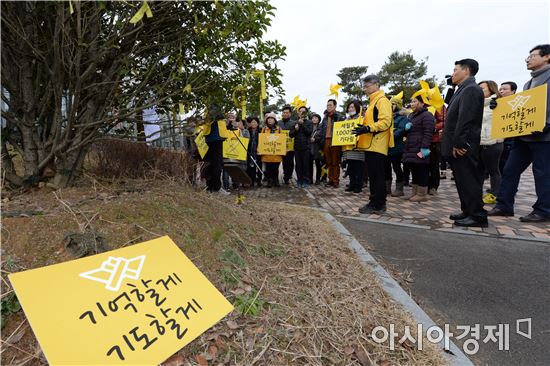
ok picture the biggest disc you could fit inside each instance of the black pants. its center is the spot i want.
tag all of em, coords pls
(469, 183)
(420, 173)
(288, 165)
(302, 165)
(406, 173)
(394, 161)
(490, 159)
(272, 173)
(318, 164)
(376, 163)
(214, 158)
(356, 172)
(435, 160)
(508, 145)
(444, 162)
(253, 172)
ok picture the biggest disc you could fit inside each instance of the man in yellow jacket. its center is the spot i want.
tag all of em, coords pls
(375, 137)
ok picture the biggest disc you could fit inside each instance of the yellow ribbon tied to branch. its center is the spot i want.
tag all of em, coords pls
(239, 99)
(144, 10)
(263, 91)
(186, 90)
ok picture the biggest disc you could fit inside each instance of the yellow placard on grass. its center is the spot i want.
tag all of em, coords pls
(289, 141)
(341, 132)
(233, 149)
(132, 306)
(520, 114)
(202, 146)
(272, 143)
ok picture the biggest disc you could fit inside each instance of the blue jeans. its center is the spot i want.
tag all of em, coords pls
(522, 154)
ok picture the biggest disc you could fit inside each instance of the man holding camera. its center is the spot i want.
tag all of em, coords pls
(375, 138)
(301, 132)
(534, 148)
(461, 137)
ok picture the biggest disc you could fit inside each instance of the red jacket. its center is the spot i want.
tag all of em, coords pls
(439, 121)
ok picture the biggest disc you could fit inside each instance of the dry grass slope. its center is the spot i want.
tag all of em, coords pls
(306, 298)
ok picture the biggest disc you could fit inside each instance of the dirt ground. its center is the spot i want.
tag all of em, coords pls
(302, 297)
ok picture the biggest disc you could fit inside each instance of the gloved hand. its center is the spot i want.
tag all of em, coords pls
(493, 103)
(408, 126)
(424, 153)
(360, 130)
(544, 130)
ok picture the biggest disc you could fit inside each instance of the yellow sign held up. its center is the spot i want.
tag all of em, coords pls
(202, 146)
(131, 306)
(289, 141)
(520, 114)
(272, 143)
(342, 132)
(233, 149)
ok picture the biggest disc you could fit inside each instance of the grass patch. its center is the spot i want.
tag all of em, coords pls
(229, 255)
(249, 303)
(217, 234)
(229, 276)
(10, 305)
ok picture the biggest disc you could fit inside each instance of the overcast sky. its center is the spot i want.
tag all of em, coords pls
(324, 36)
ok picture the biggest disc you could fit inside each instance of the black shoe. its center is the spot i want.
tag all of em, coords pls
(534, 217)
(498, 212)
(458, 216)
(317, 182)
(472, 222)
(357, 191)
(286, 182)
(372, 210)
(365, 209)
(349, 189)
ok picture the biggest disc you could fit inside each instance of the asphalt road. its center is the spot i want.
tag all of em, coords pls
(466, 280)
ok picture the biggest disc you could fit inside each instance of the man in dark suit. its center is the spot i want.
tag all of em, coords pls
(461, 135)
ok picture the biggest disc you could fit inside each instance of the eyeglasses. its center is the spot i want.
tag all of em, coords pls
(532, 55)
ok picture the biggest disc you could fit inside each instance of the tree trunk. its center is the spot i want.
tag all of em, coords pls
(8, 170)
(140, 127)
(68, 168)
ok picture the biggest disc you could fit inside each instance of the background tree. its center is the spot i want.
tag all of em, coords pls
(402, 72)
(351, 79)
(69, 77)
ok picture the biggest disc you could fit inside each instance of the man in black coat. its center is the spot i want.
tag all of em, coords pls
(301, 132)
(288, 159)
(461, 135)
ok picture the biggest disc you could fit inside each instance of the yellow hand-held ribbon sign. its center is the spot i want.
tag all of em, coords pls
(334, 89)
(297, 103)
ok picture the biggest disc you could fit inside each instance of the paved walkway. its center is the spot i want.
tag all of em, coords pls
(433, 214)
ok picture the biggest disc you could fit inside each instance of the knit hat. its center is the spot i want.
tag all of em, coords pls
(270, 115)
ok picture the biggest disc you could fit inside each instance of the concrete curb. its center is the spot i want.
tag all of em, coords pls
(458, 358)
(449, 230)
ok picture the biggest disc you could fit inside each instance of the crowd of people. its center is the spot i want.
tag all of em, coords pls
(411, 142)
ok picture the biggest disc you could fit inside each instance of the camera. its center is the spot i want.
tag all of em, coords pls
(449, 80)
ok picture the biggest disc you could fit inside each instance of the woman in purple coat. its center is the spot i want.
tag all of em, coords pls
(420, 129)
